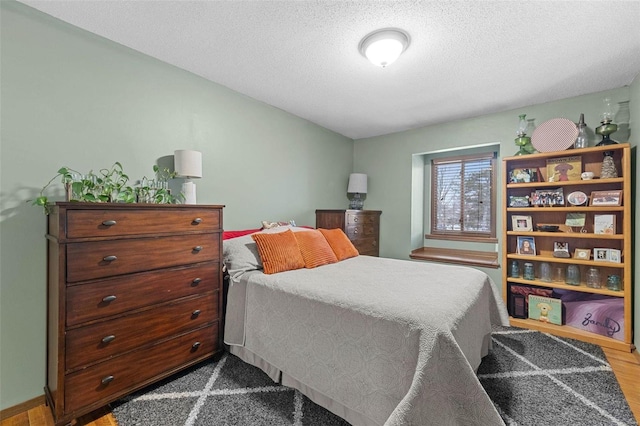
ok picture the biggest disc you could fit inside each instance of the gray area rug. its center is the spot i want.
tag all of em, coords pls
(532, 378)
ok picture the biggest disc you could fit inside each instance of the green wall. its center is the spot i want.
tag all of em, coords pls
(72, 98)
(394, 164)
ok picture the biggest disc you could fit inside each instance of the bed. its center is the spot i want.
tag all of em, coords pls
(376, 341)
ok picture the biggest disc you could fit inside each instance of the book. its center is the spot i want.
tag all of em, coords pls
(545, 309)
(564, 169)
(604, 224)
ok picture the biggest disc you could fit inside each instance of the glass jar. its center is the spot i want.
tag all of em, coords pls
(573, 275)
(545, 272)
(593, 278)
(514, 270)
(558, 274)
(529, 273)
(614, 283)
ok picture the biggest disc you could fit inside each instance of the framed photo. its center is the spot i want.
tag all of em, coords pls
(604, 224)
(518, 201)
(582, 254)
(561, 249)
(524, 175)
(564, 168)
(614, 255)
(521, 223)
(606, 198)
(548, 197)
(527, 246)
(601, 254)
(576, 219)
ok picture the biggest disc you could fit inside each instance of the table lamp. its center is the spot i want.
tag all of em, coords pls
(357, 190)
(188, 165)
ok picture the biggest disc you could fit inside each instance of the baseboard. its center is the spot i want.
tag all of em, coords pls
(636, 354)
(22, 407)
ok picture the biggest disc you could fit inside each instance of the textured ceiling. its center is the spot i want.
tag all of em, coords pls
(466, 58)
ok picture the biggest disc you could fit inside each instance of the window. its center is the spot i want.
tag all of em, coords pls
(462, 197)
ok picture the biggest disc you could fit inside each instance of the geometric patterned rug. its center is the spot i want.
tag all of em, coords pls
(533, 379)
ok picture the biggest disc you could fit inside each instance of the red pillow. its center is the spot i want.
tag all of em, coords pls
(227, 235)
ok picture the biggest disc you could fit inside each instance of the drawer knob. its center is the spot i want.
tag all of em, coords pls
(355, 231)
(109, 258)
(195, 313)
(107, 380)
(197, 220)
(355, 219)
(197, 248)
(109, 222)
(109, 298)
(196, 345)
(108, 338)
(196, 281)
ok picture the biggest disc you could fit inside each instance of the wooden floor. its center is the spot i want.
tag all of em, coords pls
(626, 367)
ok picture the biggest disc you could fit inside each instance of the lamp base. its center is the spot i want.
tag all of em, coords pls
(189, 192)
(356, 202)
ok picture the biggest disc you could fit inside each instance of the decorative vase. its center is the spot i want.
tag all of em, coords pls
(582, 140)
(608, 169)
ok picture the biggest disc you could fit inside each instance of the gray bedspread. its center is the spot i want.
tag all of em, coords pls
(388, 342)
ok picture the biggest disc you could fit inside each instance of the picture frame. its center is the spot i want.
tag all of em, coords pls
(521, 223)
(525, 175)
(561, 249)
(564, 168)
(606, 198)
(548, 197)
(515, 201)
(614, 255)
(526, 246)
(582, 254)
(601, 254)
(545, 309)
(576, 220)
(604, 224)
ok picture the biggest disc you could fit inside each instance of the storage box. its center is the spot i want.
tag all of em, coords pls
(545, 309)
(603, 316)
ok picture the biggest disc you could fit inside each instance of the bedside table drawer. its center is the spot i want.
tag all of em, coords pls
(99, 259)
(116, 295)
(116, 376)
(109, 338)
(113, 222)
(353, 218)
(361, 231)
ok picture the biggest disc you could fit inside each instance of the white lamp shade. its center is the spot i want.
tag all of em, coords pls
(383, 47)
(357, 183)
(188, 163)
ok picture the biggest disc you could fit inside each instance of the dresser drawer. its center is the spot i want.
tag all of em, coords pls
(106, 339)
(90, 260)
(354, 218)
(361, 231)
(367, 246)
(113, 296)
(114, 222)
(120, 375)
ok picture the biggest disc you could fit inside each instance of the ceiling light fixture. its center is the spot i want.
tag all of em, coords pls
(383, 47)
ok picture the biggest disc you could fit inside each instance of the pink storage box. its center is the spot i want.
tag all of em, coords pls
(602, 316)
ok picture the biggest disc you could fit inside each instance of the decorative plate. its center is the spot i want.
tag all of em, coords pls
(556, 134)
(577, 198)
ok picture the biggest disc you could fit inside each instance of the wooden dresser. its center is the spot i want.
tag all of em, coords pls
(134, 295)
(361, 226)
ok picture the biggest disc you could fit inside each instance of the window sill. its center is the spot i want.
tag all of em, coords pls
(486, 259)
(468, 238)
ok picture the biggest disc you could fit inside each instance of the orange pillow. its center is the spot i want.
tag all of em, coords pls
(279, 252)
(314, 248)
(340, 243)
